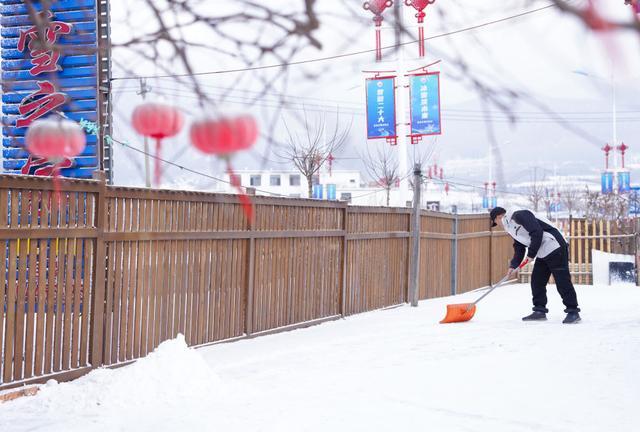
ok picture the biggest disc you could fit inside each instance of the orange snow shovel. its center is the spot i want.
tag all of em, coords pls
(462, 312)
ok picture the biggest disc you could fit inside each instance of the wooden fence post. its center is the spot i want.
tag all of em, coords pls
(490, 256)
(454, 255)
(96, 341)
(345, 245)
(250, 278)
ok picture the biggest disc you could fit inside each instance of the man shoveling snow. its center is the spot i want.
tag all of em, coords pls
(546, 243)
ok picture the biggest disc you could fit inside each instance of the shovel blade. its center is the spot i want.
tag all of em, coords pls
(460, 312)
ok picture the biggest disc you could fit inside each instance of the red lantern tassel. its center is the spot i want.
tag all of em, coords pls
(245, 201)
(158, 167)
(421, 48)
(56, 182)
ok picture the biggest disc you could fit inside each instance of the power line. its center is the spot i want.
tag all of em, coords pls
(447, 114)
(332, 103)
(459, 183)
(339, 56)
(184, 168)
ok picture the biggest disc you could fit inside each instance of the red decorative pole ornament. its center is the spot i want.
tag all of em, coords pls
(420, 6)
(330, 159)
(606, 149)
(623, 149)
(377, 7)
(158, 121)
(223, 137)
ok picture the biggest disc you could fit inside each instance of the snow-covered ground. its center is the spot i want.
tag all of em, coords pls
(388, 370)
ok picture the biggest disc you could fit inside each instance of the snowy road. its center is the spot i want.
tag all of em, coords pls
(387, 370)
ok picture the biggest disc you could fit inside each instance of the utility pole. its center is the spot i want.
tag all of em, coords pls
(402, 131)
(144, 89)
(415, 236)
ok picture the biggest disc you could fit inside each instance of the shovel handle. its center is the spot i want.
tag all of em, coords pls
(500, 282)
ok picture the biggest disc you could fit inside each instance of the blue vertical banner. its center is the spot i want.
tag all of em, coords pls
(606, 182)
(37, 83)
(494, 202)
(381, 108)
(425, 104)
(485, 202)
(331, 192)
(624, 181)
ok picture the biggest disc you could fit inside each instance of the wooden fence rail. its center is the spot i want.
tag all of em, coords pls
(99, 276)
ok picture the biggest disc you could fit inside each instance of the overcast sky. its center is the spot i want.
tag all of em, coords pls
(535, 54)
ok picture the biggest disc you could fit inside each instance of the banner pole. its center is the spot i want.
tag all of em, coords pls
(401, 128)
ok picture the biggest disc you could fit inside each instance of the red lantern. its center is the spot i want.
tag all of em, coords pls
(55, 139)
(378, 7)
(420, 6)
(158, 121)
(223, 137)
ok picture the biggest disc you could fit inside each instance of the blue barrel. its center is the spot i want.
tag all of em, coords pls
(331, 192)
(317, 191)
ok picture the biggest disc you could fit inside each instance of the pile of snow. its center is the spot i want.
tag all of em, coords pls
(163, 391)
(388, 370)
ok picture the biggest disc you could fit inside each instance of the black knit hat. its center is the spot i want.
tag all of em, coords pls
(495, 212)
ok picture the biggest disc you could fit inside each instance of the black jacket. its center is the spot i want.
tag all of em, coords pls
(535, 227)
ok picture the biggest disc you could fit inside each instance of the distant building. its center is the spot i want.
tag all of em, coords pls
(344, 185)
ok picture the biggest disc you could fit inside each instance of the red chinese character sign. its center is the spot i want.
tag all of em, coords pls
(43, 59)
(49, 69)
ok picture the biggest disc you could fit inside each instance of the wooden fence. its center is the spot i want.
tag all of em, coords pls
(587, 235)
(99, 276)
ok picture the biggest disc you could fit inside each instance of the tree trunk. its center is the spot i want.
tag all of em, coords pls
(388, 194)
(310, 186)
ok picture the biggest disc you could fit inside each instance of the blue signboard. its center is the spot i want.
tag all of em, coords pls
(38, 83)
(624, 181)
(381, 108)
(606, 182)
(494, 202)
(485, 202)
(331, 192)
(425, 104)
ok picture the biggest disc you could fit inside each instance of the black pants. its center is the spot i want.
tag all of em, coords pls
(556, 264)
